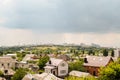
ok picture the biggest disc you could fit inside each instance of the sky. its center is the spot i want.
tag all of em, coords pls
(60, 21)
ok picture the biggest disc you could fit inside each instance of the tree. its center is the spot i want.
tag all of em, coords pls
(43, 61)
(80, 78)
(90, 52)
(20, 73)
(111, 72)
(78, 65)
(13, 57)
(105, 52)
(1, 73)
(112, 53)
(20, 56)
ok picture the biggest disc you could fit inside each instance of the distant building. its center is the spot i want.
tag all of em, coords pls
(57, 67)
(10, 55)
(93, 63)
(30, 57)
(117, 53)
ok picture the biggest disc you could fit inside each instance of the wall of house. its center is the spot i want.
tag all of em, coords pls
(63, 69)
(54, 71)
(47, 70)
(92, 70)
(7, 65)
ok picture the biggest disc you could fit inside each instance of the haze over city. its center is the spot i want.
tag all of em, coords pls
(60, 21)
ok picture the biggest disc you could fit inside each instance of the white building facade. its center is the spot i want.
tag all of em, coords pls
(57, 67)
(117, 53)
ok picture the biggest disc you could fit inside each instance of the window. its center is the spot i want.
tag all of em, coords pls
(63, 71)
(5, 71)
(8, 64)
(63, 64)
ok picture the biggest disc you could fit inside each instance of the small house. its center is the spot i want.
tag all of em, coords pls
(92, 64)
(57, 67)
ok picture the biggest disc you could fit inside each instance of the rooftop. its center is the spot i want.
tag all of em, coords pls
(79, 74)
(54, 61)
(97, 61)
(6, 60)
(43, 76)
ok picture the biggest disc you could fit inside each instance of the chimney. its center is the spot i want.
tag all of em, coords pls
(85, 60)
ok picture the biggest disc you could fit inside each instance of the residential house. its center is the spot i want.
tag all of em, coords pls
(31, 66)
(57, 67)
(6, 63)
(22, 64)
(30, 57)
(92, 64)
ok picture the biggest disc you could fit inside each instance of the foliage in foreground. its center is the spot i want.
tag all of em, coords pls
(82, 78)
(20, 73)
(111, 72)
(1, 73)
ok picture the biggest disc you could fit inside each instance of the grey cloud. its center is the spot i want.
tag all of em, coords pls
(67, 16)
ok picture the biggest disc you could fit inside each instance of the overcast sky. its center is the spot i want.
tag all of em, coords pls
(60, 21)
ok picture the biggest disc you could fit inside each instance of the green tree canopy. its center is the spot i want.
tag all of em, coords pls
(43, 61)
(1, 73)
(20, 73)
(78, 65)
(105, 52)
(111, 72)
(80, 78)
(112, 53)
